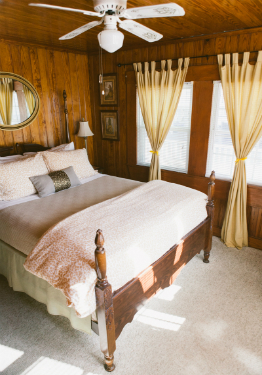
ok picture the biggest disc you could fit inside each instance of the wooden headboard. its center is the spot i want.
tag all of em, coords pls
(34, 147)
(6, 151)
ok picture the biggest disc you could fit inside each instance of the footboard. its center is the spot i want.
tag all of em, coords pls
(115, 310)
(160, 275)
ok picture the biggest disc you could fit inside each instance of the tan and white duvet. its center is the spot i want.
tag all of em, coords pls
(139, 227)
(23, 225)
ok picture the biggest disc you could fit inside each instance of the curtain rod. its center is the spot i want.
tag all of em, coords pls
(192, 57)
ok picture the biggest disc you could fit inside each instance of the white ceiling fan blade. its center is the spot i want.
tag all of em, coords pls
(81, 30)
(160, 10)
(140, 30)
(86, 12)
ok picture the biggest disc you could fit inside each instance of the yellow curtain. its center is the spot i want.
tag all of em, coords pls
(159, 94)
(242, 89)
(29, 97)
(6, 100)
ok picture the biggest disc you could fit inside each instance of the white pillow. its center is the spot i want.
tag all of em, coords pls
(14, 177)
(55, 161)
(64, 147)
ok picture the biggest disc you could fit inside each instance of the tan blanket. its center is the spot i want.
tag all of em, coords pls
(138, 226)
(23, 225)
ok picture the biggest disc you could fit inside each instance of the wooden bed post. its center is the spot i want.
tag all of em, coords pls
(68, 140)
(210, 212)
(104, 303)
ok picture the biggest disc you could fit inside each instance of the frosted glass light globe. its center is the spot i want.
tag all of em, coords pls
(110, 40)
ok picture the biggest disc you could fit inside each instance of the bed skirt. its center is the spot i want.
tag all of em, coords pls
(11, 266)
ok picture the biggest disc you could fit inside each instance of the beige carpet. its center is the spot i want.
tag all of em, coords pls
(208, 322)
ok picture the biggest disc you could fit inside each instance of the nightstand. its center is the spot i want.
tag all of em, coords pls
(99, 169)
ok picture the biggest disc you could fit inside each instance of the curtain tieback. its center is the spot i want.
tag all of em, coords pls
(240, 159)
(154, 152)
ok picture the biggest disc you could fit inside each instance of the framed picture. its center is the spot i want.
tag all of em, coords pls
(109, 124)
(109, 90)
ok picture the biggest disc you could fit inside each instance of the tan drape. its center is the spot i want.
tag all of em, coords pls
(242, 89)
(29, 97)
(159, 94)
(6, 100)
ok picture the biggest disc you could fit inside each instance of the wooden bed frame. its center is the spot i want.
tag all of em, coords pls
(116, 309)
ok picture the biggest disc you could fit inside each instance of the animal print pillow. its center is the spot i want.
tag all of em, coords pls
(55, 181)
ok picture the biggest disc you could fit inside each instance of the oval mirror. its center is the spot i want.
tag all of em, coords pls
(19, 102)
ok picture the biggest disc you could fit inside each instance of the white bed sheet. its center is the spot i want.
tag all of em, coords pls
(5, 204)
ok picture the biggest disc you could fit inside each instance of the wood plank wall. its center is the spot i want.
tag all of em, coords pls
(51, 72)
(119, 158)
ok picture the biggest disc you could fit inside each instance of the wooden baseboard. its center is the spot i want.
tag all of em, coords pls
(255, 242)
(252, 241)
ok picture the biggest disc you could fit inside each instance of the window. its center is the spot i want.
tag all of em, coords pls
(221, 156)
(175, 150)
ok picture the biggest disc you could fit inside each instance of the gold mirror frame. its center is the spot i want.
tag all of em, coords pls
(36, 97)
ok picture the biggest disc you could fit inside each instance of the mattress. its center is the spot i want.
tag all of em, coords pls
(24, 223)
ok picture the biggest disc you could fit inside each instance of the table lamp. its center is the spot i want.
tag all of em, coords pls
(84, 131)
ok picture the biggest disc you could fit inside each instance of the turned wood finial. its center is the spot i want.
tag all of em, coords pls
(211, 188)
(64, 95)
(212, 177)
(100, 258)
(99, 241)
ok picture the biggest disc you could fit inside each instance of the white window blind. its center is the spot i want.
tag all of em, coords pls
(175, 150)
(221, 156)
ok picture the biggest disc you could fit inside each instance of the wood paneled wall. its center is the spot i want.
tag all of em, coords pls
(119, 158)
(50, 72)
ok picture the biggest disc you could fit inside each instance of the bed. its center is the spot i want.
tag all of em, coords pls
(117, 306)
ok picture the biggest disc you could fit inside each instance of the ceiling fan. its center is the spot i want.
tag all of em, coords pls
(110, 12)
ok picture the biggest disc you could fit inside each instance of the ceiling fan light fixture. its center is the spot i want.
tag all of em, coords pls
(110, 40)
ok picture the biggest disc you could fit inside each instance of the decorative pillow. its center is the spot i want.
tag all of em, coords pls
(55, 181)
(64, 147)
(14, 177)
(77, 159)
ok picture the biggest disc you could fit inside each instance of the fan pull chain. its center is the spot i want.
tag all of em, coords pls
(101, 68)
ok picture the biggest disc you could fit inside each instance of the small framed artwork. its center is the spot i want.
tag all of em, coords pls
(108, 90)
(109, 124)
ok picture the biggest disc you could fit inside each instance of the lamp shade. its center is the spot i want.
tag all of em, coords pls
(110, 40)
(84, 130)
